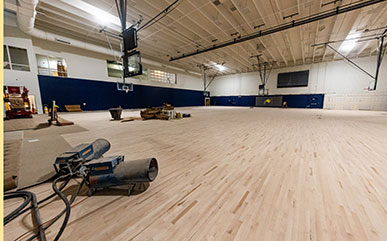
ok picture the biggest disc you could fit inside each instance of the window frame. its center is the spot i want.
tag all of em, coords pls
(114, 62)
(48, 69)
(146, 75)
(11, 64)
(166, 76)
(6, 53)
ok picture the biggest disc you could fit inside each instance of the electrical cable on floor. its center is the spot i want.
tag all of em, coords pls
(13, 214)
(17, 212)
(47, 223)
(28, 197)
(66, 210)
(42, 235)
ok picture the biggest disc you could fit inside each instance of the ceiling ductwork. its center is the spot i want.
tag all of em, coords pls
(26, 13)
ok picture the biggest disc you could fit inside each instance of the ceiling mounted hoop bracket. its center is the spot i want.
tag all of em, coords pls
(380, 54)
(264, 70)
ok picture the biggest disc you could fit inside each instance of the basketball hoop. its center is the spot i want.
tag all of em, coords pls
(124, 87)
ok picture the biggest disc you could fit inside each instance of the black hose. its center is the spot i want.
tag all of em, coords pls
(42, 235)
(31, 197)
(52, 221)
(14, 214)
(21, 209)
(28, 197)
(64, 184)
(67, 208)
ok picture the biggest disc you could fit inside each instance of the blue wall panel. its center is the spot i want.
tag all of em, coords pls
(294, 101)
(233, 100)
(304, 101)
(100, 95)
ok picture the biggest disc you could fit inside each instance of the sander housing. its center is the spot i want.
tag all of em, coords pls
(87, 161)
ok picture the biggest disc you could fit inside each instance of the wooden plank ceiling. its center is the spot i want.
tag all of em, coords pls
(200, 23)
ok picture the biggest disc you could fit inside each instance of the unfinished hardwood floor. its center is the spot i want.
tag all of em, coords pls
(236, 174)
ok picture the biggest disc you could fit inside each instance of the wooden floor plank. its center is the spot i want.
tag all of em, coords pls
(231, 173)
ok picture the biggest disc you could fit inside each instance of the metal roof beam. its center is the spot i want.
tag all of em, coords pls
(294, 23)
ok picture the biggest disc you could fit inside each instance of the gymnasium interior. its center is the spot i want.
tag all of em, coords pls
(195, 120)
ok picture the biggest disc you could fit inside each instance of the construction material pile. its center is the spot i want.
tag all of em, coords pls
(165, 112)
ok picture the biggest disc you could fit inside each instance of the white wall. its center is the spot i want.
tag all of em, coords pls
(80, 63)
(29, 79)
(88, 65)
(344, 86)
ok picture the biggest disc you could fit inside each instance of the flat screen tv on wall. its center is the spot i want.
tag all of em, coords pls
(293, 79)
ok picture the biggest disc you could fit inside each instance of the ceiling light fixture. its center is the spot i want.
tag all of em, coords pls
(349, 42)
(347, 46)
(102, 17)
(220, 67)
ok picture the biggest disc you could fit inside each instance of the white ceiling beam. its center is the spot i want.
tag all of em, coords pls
(301, 33)
(379, 20)
(226, 15)
(194, 22)
(225, 35)
(252, 29)
(168, 31)
(284, 34)
(172, 34)
(215, 56)
(232, 57)
(277, 46)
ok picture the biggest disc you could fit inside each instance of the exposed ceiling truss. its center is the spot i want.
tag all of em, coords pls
(195, 24)
(283, 27)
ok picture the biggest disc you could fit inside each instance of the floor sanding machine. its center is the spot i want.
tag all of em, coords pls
(84, 161)
(87, 161)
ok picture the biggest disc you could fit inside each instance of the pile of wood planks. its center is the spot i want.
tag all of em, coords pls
(73, 108)
(161, 113)
(154, 113)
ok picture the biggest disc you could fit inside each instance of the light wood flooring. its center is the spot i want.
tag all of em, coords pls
(236, 174)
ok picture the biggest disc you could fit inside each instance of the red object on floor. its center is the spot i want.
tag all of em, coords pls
(17, 104)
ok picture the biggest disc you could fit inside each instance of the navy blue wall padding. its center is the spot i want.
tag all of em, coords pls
(233, 100)
(101, 95)
(294, 101)
(304, 101)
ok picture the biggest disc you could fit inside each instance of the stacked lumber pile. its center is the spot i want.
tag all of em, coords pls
(127, 119)
(165, 112)
(73, 108)
(168, 107)
(154, 113)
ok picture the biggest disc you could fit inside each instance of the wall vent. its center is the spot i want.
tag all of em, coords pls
(62, 41)
(321, 28)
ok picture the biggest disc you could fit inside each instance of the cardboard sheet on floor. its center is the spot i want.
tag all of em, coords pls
(11, 162)
(24, 123)
(37, 158)
(53, 130)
